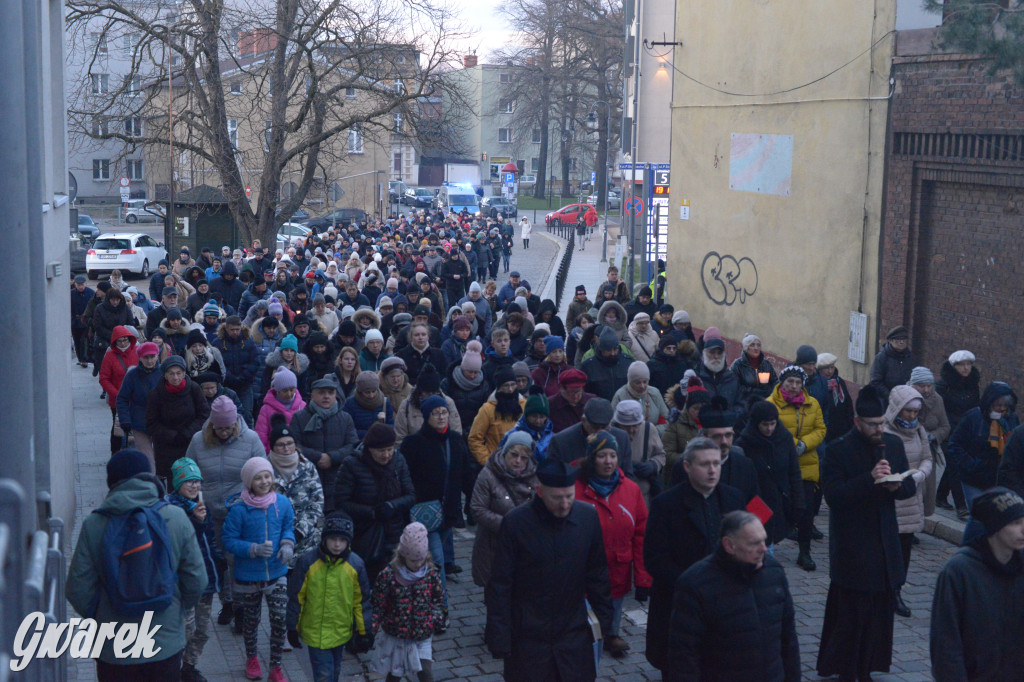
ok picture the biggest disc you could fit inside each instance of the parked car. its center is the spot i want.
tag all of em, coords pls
(132, 252)
(87, 226)
(300, 215)
(289, 232)
(567, 214)
(418, 197)
(396, 190)
(136, 211)
(527, 180)
(339, 216)
(77, 253)
(491, 207)
(614, 199)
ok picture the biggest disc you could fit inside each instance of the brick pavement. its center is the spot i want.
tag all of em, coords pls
(460, 653)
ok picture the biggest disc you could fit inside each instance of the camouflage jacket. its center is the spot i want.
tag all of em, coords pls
(305, 493)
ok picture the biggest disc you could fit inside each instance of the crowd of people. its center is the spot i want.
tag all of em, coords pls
(307, 428)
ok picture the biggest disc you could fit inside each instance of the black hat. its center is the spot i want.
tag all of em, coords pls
(503, 375)
(805, 354)
(208, 377)
(347, 328)
(281, 431)
(379, 435)
(898, 332)
(598, 412)
(300, 319)
(429, 381)
(338, 523)
(173, 313)
(763, 411)
(169, 291)
(993, 510)
(104, 286)
(126, 463)
(580, 289)
(195, 336)
(869, 403)
(555, 473)
(80, 279)
(716, 414)
(421, 310)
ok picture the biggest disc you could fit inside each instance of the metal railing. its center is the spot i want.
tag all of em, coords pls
(563, 267)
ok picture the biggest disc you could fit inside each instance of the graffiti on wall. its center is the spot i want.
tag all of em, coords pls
(727, 280)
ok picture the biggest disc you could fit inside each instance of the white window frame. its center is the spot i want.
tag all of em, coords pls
(355, 139)
(399, 86)
(134, 169)
(100, 125)
(133, 85)
(129, 41)
(99, 83)
(350, 93)
(100, 169)
(396, 119)
(233, 132)
(236, 86)
(506, 133)
(98, 39)
(506, 106)
(133, 126)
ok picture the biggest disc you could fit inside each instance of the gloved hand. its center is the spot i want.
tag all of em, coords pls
(384, 511)
(648, 469)
(642, 593)
(286, 552)
(293, 639)
(931, 437)
(363, 643)
(800, 447)
(261, 549)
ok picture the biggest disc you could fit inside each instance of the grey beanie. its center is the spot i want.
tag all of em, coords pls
(921, 375)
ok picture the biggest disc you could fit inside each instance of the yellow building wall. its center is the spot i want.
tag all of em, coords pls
(815, 251)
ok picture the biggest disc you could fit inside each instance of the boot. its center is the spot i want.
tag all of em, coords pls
(227, 612)
(190, 674)
(901, 607)
(816, 534)
(616, 646)
(803, 559)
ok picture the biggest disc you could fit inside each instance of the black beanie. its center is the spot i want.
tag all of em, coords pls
(763, 411)
(869, 403)
(126, 463)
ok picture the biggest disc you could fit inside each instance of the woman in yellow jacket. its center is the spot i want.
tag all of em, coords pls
(802, 417)
(497, 416)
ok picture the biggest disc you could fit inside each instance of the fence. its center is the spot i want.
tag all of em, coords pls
(562, 273)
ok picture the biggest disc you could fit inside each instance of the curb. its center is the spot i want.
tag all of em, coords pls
(944, 529)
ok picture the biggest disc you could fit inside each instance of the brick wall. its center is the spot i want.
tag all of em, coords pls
(952, 248)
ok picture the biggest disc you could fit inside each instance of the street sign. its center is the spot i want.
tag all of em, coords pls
(661, 177)
(510, 178)
(126, 194)
(634, 206)
(684, 209)
(124, 181)
(593, 176)
(248, 191)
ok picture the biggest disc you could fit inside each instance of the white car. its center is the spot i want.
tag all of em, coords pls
(289, 232)
(528, 181)
(135, 211)
(133, 252)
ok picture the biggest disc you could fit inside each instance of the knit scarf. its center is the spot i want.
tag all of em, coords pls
(321, 415)
(376, 403)
(838, 397)
(388, 484)
(997, 436)
(285, 465)
(796, 400)
(604, 486)
(175, 390)
(197, 364)
(465, 384)
(259, 501)
(405, 577)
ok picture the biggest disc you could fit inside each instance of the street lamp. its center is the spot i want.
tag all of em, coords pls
(602, 189)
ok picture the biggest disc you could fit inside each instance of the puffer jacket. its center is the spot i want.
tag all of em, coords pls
(272, 406)
(364, 418)
(221, 465)
(805, 424)
(489, 428)
(655, 410)
(246, 526)
(434, 478)
(619, 325)
(303, 490)
(546, 377)
(467, 402)
(116, 364)
(723, 383)
(778, 477)
(250, 297)
(409, 419)
(131, 399)
(891, 368)
(623, 516)
(677, 434)
(666, 370)
(959, 394)
(750, 384)
(240, 358)
(106, 319)
(496, 492)
(359, 492)
(325, 599)
(606, 375)
(910, 512)
(644, 345)
(337, 437)
(970, 448)
(172, 419)
(213, 555)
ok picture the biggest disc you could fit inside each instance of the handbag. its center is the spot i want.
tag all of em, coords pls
(431, 513)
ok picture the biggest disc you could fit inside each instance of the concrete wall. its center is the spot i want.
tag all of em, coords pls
(792, 248)
(657, 21)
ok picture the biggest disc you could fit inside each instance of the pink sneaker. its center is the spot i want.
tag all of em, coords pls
(277, 675)
(252, 668)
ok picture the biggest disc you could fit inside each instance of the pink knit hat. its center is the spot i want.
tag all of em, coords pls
(253, 466)
(472, 360)
(413, 545)
(223, 412)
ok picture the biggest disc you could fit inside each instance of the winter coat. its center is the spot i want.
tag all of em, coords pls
(415, 360)
(723, 383)
(439, 466)
(933, 418)
(410, 612)
(635, 306)
(325, 598)
(682, 528)
(969, 448)
(838, 416)
(364, 418)
(620, 324)
(732, 621)
(623, 516)
(555, 323)
(576, 308)
(337, 437)
(677, 434)
(106, 319)
(369, 363)
(543, 570)
(778, 477)
(467, 401)
(805, 424)
(240, 359)
(274, 360)
(116, 364)
(976, 628)
(250, 297)
(213, 555)
(483, 312)
(497, 492)
(409, 419)
(570, 445)
(306, 494)
(959, 394)
(221, 465)
(84, 587)
(171, 421)
(488, 429)
(863, 542)
(79, 302)
(272, 406)
(910, 512)
(646, 446)
(891, 368)
(223, 290)
(606, 375)
(645, 344)
(750, 383)
(667, 371)
(562, 415)
(246, 526)
(131, 398)
(546, 377)
(655, 410)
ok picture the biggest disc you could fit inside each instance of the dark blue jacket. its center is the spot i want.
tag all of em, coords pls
(78, 303)
(240, 358)
(131, 399)
(364, 419)
(250, 297)
(969, 448)
(156, 286)
(213, 555)
(229, 293)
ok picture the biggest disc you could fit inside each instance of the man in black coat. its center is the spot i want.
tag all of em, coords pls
(326, 434)
(732, 616)
(607, 370)
(683, 528)
(738, 471)
(866, 562)
(570, 444)
(227, 288)
(550, 558)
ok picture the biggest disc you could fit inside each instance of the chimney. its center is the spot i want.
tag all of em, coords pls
(469, 61)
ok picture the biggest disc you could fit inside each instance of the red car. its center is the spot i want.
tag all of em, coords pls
(567, 215)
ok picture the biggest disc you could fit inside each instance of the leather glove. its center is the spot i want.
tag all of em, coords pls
(642, 593)
(286, 552)
(385, 511)
(800, 447)
(363, 643)
(293, 639)
(261, 549)
(646, 469)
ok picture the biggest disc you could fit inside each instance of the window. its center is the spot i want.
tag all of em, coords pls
(504, 78)
(133, 169)
(236, 87)
(350, 93)
(399, 86)
(267, 127)
(133, 85)
(99, 83)
(99, 42)
(396, 161)
(233, 132)
(129, 42)
(505, 106)
(101, 169)
(133, 126)
(397, 116)
(175, 60)
(100, 126)
(535, 164)
(535, 137)
(572, 164)
(270, 83)
(355, 140)
(505, 135)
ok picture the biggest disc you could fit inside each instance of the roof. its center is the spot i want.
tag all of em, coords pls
(201, 194)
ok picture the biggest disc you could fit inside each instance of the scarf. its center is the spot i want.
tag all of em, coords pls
(997, 436)
(199, 363)
(405, 577)
(604, 486)
(838, 397)
(179, 500)
(285, 465)
(175, 390)
(465, 384)
(376, 404)
(508, 406)
(794, 400)
(259, 501)
(904, 424)
(320, 415)
(388, 484)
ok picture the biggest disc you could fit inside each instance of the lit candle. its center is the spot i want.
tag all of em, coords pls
(763, 377)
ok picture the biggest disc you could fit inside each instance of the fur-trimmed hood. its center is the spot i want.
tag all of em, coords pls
(274, 361)
(368, 313)
(620, 313)
(222, 333)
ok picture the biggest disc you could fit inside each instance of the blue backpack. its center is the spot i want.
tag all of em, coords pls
(138, 564)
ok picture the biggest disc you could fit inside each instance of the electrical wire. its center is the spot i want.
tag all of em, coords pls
(767, 94)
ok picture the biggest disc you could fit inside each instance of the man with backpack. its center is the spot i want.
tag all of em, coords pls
(137, 557)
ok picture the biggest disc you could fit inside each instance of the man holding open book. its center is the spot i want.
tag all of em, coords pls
(862, 477)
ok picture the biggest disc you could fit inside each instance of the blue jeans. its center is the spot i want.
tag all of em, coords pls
(326, 663)
(970, 492)
(435, 543)
(616, 616)
(245, 396)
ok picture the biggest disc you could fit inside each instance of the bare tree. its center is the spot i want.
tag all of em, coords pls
(993, 29)
(312, 71)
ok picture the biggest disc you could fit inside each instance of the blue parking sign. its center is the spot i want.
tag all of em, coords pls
(593, 176)
(509, 178)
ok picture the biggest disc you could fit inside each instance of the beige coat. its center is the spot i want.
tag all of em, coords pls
(495, 494)
(910, 512)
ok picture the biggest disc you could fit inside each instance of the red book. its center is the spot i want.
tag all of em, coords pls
(758, 508)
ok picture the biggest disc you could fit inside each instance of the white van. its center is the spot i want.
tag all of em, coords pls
(455, 198)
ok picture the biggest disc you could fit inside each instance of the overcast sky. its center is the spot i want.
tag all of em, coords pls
(490, 30)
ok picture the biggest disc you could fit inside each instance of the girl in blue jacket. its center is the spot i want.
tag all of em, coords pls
(259, 531)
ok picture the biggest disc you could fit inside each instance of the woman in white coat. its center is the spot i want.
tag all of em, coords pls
(527, 229)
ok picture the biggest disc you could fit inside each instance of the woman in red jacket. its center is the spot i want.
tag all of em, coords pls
(623, 513)
(119, 357)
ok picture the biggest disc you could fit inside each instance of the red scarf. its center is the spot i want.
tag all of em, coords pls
(174, 390)
(794, 400)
